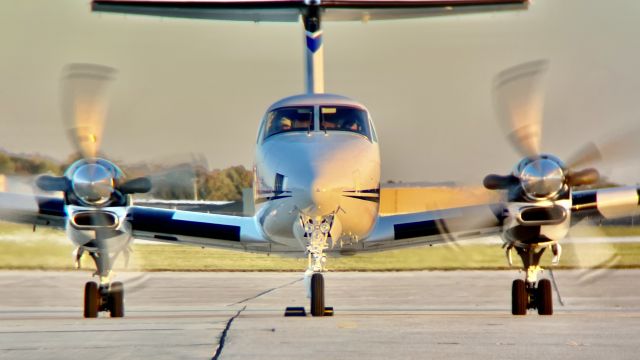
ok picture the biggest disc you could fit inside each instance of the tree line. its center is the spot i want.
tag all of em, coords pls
(176, 182)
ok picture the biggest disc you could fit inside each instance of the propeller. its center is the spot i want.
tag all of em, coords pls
(85, 90)
(519, 100)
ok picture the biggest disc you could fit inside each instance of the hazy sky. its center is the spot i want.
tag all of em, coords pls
(202, 86)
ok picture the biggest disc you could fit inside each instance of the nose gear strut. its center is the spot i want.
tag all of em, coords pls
(317, 232)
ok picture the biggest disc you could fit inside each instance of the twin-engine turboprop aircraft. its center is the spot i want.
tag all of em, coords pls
(317, 170)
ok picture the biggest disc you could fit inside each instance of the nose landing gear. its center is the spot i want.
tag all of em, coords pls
(531, 293)
(526, 296)
(316, 232)
(108, 296)
(103, 298)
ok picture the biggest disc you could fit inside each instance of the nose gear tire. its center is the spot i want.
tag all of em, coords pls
(317, 295)
(116, 302)
(519, 298)
(91, 300)
(544, 297)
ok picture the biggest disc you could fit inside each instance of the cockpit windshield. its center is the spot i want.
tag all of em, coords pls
(298, 118)
(344, 118)
(331, 118)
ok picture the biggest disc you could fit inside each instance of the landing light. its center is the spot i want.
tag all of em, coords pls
(325, 227)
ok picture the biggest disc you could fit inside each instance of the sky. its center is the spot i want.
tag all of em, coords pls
(197, 86)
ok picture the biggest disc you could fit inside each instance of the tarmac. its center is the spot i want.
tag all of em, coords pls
(390, 315)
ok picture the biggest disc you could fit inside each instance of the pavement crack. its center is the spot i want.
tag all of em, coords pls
(223, 336)
(265, 292)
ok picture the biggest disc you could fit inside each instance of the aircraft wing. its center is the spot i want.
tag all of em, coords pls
(608, 203)
(203, 229)
(32, 209)
(434, 227)
(290, 10)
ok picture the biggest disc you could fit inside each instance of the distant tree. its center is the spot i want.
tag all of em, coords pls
(6, 164)
(27, 165)
(176, 182)
(226, 184)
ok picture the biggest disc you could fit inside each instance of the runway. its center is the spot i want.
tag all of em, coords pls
(402, 315)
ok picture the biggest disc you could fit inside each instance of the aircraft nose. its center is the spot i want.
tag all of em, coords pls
(323, 178)
(324, 198)
(318, 168)
(316, 193)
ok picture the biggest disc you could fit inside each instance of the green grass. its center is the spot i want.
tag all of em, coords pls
(20, 248)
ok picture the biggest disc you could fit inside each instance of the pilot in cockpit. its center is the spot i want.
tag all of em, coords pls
(285, 124)
(349, 124)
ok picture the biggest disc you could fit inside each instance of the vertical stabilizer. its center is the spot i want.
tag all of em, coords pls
(314, 51)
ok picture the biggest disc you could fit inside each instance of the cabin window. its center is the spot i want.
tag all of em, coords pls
(286, 119)
(345, 118)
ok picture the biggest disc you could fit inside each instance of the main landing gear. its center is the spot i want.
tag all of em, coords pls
(103, 298)
(531, 293)
(316, 233)
(107, 296)
(526, 295)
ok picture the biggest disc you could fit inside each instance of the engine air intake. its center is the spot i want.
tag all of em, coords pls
(87, 220)
(542, 215)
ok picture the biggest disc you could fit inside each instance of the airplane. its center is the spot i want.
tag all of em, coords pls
(317, 163)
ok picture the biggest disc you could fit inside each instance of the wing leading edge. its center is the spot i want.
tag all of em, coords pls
(290, 10)
(607, 203)
(434, 227)
(203, 229)
(32, 209)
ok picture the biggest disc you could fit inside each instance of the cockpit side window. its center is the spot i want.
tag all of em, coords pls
(345, 118)
(298, 118)
(373, 131)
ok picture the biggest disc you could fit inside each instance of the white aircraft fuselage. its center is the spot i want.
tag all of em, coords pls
(313, 170)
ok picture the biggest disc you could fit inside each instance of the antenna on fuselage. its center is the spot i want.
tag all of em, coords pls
(314, 50)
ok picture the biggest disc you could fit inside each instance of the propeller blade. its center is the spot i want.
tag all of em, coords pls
(52, 183)
(588, 176)
(586, 155)
(614, 150)
(84, 104)
(173, 178)
(593, 251)
(518, 99)
(499, 182)
(139, 185)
